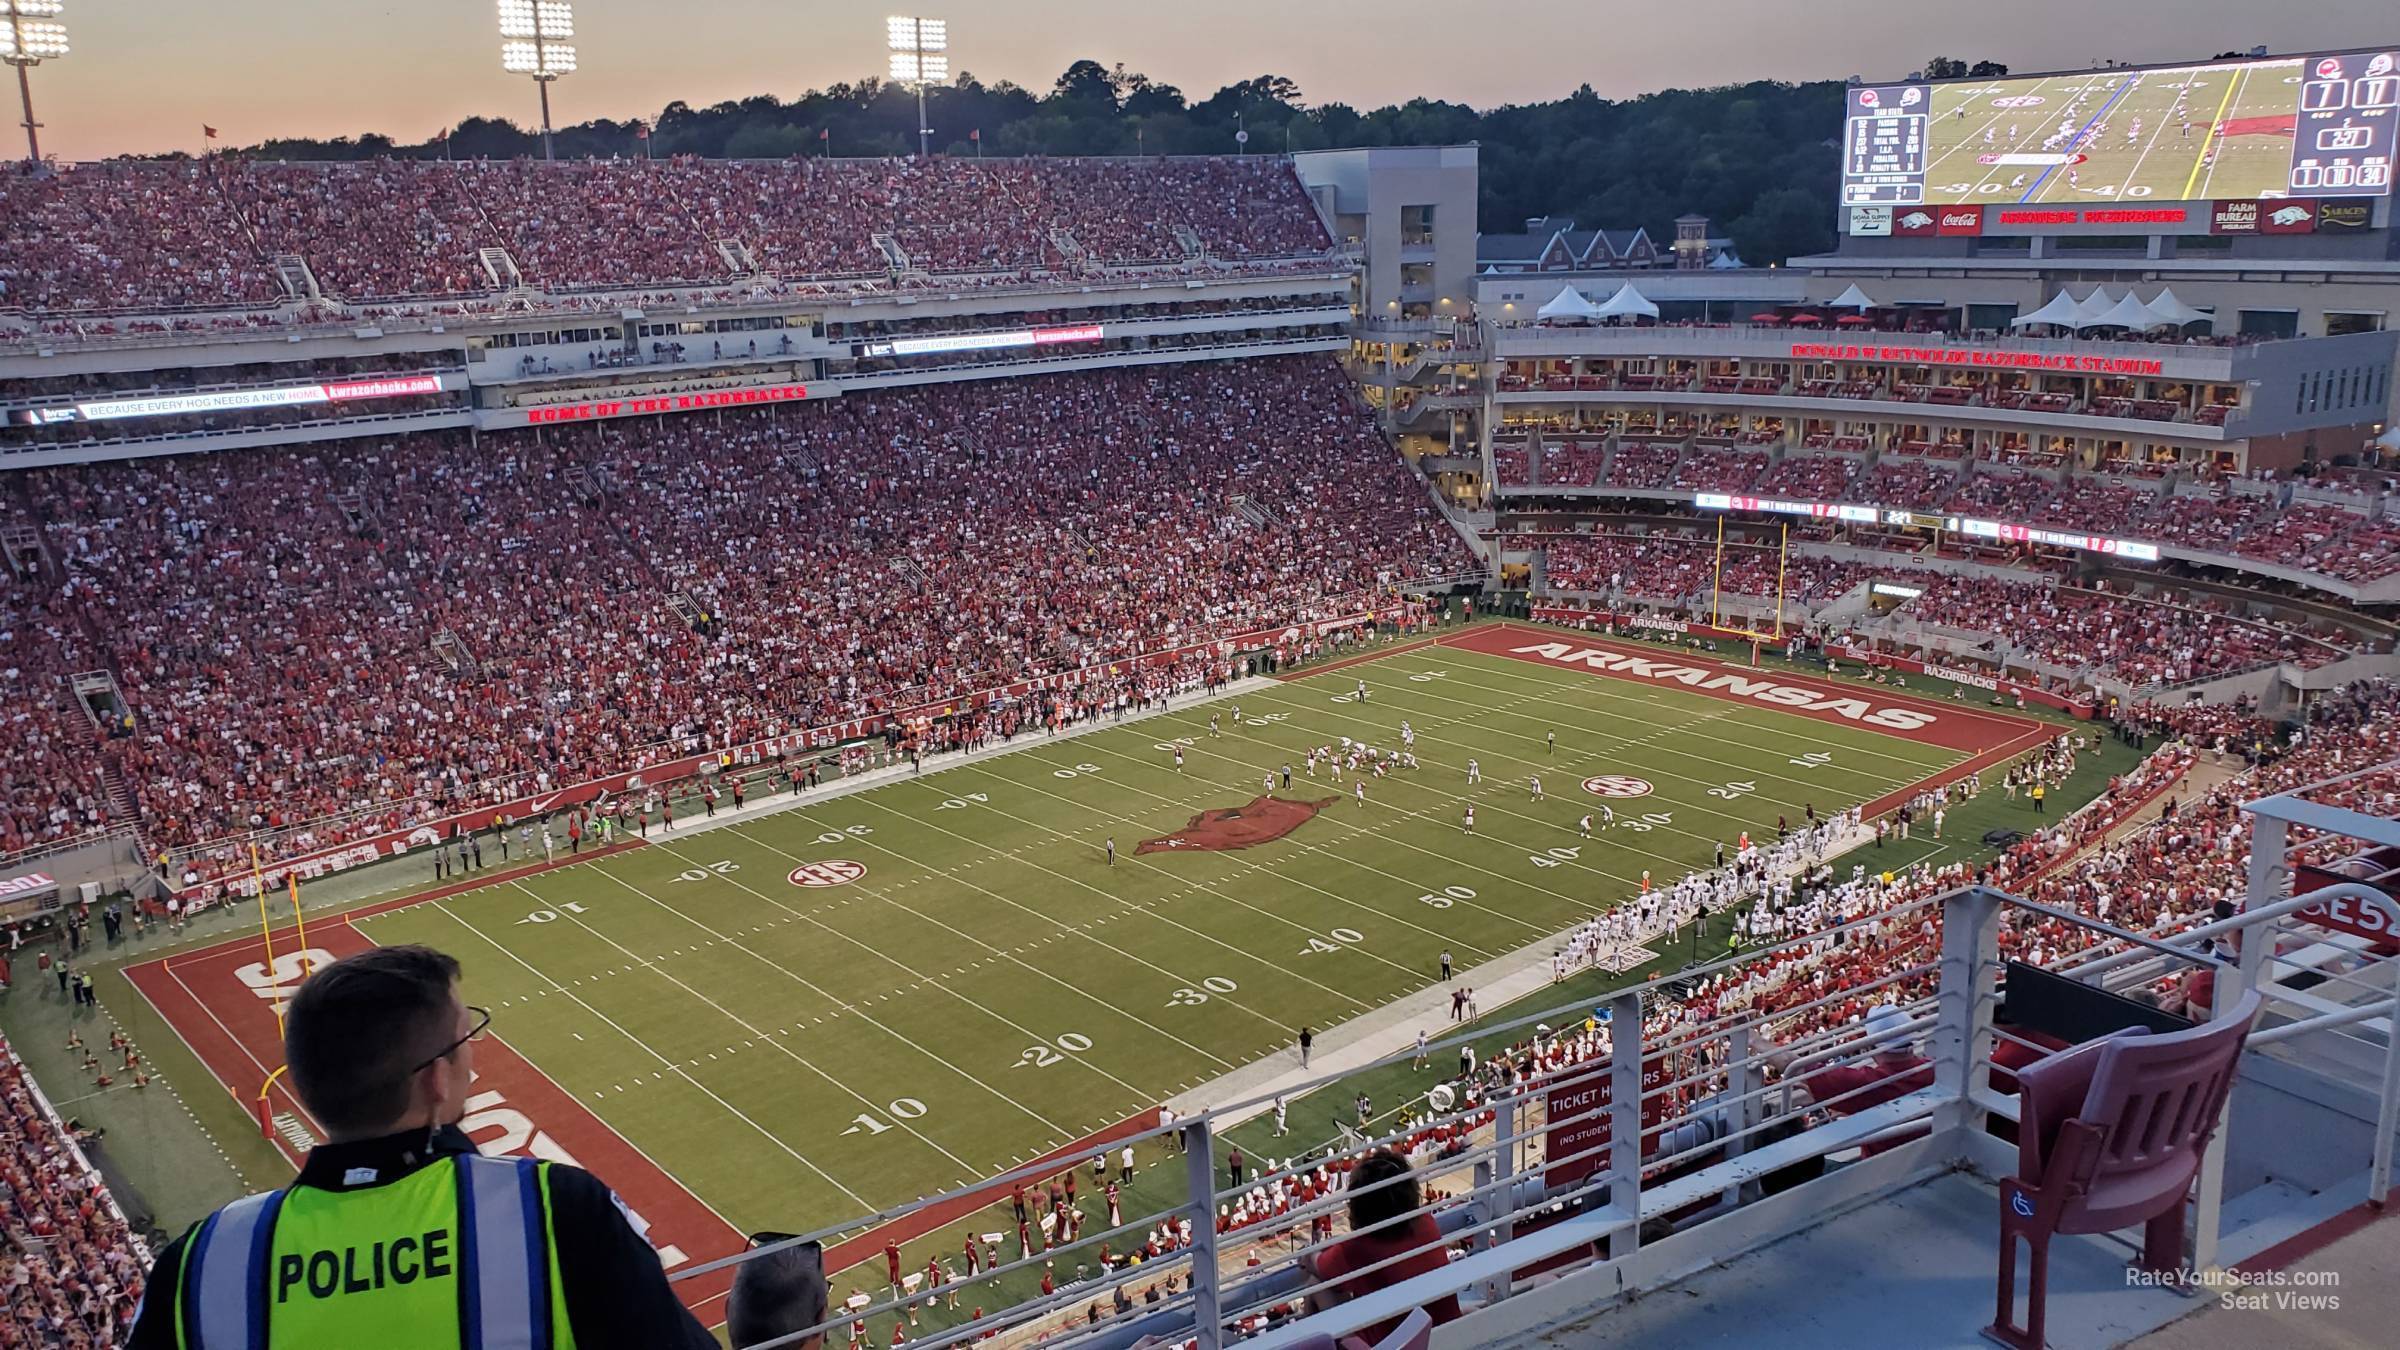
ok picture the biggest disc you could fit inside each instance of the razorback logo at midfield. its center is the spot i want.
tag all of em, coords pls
(1263, 820)
(1744, 686)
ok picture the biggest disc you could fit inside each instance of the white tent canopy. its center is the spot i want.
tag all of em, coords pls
(2093, 309)
(2166, 309)
(2060, 311)
(1854, 298)
(1569, 305)
(2128, 313)
(1628, 303)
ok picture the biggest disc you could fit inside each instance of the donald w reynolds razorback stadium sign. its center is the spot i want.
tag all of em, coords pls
(1836, 703)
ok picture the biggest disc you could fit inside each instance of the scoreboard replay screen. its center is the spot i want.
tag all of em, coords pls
(2272, 127)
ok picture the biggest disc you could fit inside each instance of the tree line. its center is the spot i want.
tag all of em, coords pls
(1761, 159)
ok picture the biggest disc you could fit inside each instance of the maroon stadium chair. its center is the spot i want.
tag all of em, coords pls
(2111, 1136)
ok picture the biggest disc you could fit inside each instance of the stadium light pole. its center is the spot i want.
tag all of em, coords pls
(532, 34)
(30, 35)
(920, 50)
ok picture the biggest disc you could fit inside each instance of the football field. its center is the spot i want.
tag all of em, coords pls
(2164, 135)
(819, 1012)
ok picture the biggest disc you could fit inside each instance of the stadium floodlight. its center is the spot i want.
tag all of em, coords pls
(30, 35)
(533, 42)
(920, 56)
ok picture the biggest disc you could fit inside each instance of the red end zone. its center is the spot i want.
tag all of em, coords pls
(221, 1000)
(1986, 737)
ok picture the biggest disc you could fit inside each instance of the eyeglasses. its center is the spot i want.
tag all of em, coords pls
(483, 1022)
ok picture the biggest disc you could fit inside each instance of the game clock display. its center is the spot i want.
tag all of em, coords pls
(2343, 141)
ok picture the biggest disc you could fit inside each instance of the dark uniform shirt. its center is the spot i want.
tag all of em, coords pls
(616, 1291)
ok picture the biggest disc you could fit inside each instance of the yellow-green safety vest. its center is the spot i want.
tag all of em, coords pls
(456, 1255)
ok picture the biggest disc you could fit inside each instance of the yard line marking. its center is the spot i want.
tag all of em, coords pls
(1585, 907)
(644, 1046)
(993, 1013)
(1327, 815)
(1135, 860)
(1123, 910)
(1581, 908)
(1144, 906)
(820, 992)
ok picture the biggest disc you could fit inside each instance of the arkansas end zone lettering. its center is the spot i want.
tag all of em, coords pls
(1743, 686)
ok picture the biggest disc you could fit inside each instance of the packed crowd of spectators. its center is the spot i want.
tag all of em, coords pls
(2141, 641)
(2004, 496)
(100, 236)
(1643, 464)
(1810, 478)
(50, 785)
(72, 1276)
(125, 234)
(1678, 566)
(1718, 468)
(2340, 541)
(380, 631)
(1912, 483)
(2326, 539)
(1574, 464)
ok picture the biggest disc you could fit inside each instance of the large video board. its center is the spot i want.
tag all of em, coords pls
(2275, 127)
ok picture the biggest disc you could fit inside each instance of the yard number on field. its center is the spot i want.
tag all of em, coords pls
(846, 833)
(1428, 676)
(1645, 822)
(1042, 1056)
(706, 870)
(903, 1108)
(1079, 771)
(548, 915)
(1731, 791)
(1814, 759)
(1192, 998)
(1339, 936)
(960, 803)
(1446, 896)
(1556, 857)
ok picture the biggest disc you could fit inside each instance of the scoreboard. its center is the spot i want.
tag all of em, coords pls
(2320, 126)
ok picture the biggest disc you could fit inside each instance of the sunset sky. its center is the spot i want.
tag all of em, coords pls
(145, 74)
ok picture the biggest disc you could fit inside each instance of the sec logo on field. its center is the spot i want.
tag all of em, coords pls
(1617, 785)
(831, 872)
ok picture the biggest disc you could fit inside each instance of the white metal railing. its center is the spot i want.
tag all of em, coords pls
(1712, 1101)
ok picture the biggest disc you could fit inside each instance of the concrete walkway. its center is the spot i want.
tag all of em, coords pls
(1392, 1029)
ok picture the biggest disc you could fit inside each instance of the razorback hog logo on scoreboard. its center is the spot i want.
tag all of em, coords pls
(1617, 785)
(1744, 686)
(831, 872)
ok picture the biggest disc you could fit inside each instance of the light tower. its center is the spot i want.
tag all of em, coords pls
(533, 34)
(920, 57)
(29, 35)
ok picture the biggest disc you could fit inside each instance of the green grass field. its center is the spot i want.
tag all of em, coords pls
(991, 987)
(2162, 162)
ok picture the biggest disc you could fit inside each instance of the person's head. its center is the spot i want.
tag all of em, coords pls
(777, 1293)
(1887, 1032)
(1372, 1203)
(379, 1043)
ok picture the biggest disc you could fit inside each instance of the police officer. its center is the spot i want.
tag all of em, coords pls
(397, 1232)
